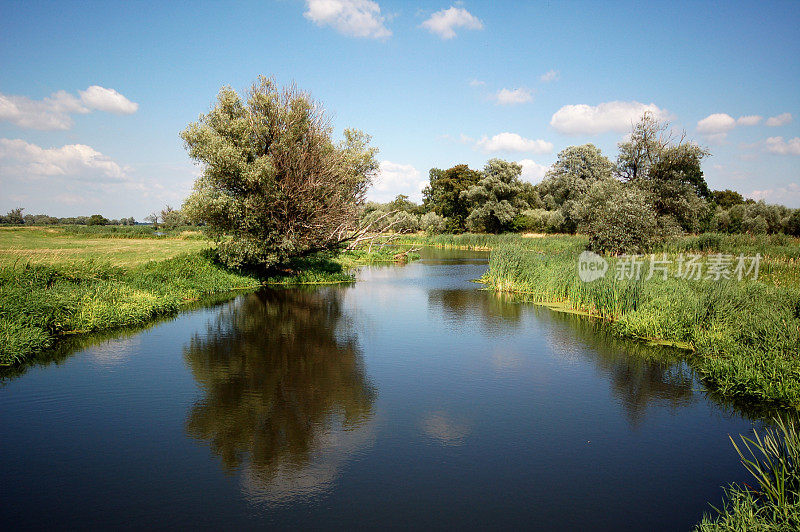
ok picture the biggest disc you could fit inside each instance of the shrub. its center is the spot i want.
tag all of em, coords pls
(432, 223)
(619, 219)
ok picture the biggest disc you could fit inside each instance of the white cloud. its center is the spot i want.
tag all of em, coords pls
(615, 116)
(788, 195)
(476, 83)
(780, 120)
(356, 18)
(550, 75)
(513, 142)
(513, 96)
(76, 161)
(50, 113)
(109, 100)
(394, 179)
(783, 147)
(54, 112)
(716, 127)
(532, 171)
(716, 124)
(443, 23)
(750, 120)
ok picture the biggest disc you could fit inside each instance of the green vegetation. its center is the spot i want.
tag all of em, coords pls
(118, 246)
(62, 281)
(497, 199)
(42, 301)
(772, 459)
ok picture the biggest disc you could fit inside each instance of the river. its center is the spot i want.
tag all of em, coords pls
(411, 398)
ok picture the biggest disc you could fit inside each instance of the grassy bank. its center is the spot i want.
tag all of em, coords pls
(742, 337)
(58, 282)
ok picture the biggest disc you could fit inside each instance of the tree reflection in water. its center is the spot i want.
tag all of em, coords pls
(640, 374)
(494, 309)
(286, 398)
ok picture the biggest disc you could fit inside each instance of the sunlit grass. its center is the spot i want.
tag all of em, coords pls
(62, 246)
(773, 500)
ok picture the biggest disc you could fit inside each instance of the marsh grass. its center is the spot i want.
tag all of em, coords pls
(41, 302)
(773, 501)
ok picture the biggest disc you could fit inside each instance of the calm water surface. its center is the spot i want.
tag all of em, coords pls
(409, 399)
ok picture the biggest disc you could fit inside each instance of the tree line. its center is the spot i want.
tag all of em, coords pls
(16, 217)
(654, 189)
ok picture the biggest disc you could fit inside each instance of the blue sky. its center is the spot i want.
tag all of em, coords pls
(93, 95)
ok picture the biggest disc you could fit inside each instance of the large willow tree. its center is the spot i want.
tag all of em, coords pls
(274, 185)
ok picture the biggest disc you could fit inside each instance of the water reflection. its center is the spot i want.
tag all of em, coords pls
(494, 309)
(286, 397)
(640, 375)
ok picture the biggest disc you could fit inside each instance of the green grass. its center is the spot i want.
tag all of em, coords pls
(40, 302)
(66, 245)
(773, 502)
(55, 283)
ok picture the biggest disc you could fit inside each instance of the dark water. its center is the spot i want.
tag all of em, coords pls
(410, 399)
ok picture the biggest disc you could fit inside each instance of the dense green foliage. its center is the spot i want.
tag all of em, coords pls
(617, 219)
(274, 185)
(654, 191)
(444, 194)
(571, 177)
(496, 200)
(772, 458)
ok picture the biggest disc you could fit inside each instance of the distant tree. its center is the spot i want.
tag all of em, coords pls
(619, 219)
(443, 194)
(14, 216)
(793, 223)
(274, 185)
(432, 223)
(726, 198)
(642, 150)
(530, 194)
(496, 200)
(755, 225)
(171, 218)
(668, 170)
(575, 171)
(97, 219)
(540, 221)
(402, 203)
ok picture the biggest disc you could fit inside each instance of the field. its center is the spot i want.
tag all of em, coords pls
(66, 245)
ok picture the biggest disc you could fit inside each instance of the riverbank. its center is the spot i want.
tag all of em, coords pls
(741, 336)
(56, 282)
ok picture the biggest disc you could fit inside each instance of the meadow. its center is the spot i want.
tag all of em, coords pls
(63, 281)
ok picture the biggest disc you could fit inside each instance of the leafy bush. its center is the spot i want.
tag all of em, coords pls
(619, 219)
(432, 223)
